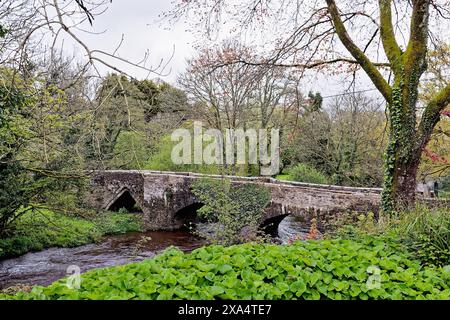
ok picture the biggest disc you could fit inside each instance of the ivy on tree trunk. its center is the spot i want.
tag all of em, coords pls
(408, 137)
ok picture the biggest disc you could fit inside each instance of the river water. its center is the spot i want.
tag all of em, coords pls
(290, 228)
(44, 267)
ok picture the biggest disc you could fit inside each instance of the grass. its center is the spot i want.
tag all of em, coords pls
(444, 194)
(284, 177)
(306, 173)
(43, 228)
(370, 268)
(303, 173)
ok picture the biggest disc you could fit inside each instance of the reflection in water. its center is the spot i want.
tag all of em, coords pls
(46, 266)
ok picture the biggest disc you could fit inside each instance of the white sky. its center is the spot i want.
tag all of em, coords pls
(143, 30)
(139, 22)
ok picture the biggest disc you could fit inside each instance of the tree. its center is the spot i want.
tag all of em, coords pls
(344, 140)
(128, 118)
(274, 89)
(36, 88)
(435, 162)
(239, 95)
(13, 184)
(361, 27)
(235, 95)
(36, 154)
(221, 95)
(356, 140)
(407, 139)
(29, 22)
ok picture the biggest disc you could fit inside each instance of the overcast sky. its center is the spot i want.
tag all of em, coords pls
(143, 30)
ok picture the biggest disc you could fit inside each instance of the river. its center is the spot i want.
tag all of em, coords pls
(44, 267)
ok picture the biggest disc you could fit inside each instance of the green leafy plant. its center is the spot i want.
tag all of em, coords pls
(323, 269)
(305, 173)
(15, 184)
(235, 210)
(162, 160)
(425, 231)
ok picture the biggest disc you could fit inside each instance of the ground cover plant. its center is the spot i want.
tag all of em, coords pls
(370, 268)
(424, 231)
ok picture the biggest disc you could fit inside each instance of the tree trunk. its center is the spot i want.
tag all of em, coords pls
(399, 178)
(405, 183)
(403, 153)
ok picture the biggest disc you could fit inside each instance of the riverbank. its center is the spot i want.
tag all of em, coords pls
(44, 228)
(370, 268)
(46, 266)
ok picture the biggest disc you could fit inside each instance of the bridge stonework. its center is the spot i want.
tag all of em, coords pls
(161, 195)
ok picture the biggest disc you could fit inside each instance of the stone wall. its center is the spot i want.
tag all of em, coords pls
(162, 194)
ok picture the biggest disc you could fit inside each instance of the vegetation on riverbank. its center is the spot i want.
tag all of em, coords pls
(424, 231)
(234, 212)
(370, 268)
(44, 228)
(303, 173)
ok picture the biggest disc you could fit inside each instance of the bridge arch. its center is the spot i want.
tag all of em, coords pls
(124, 199)
(270, 225)
(187, 215)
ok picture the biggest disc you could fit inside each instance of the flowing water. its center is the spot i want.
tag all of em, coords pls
(290, 228)
(44, 267)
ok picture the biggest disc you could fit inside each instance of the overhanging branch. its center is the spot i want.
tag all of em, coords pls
(368, 66)
(431, 115)
(311, 65)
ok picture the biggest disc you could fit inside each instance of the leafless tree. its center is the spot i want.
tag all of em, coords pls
(222, 94)
(30, 23)
(231, 95)
(273, 90)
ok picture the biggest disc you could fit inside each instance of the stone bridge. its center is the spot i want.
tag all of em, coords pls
(164, 197)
